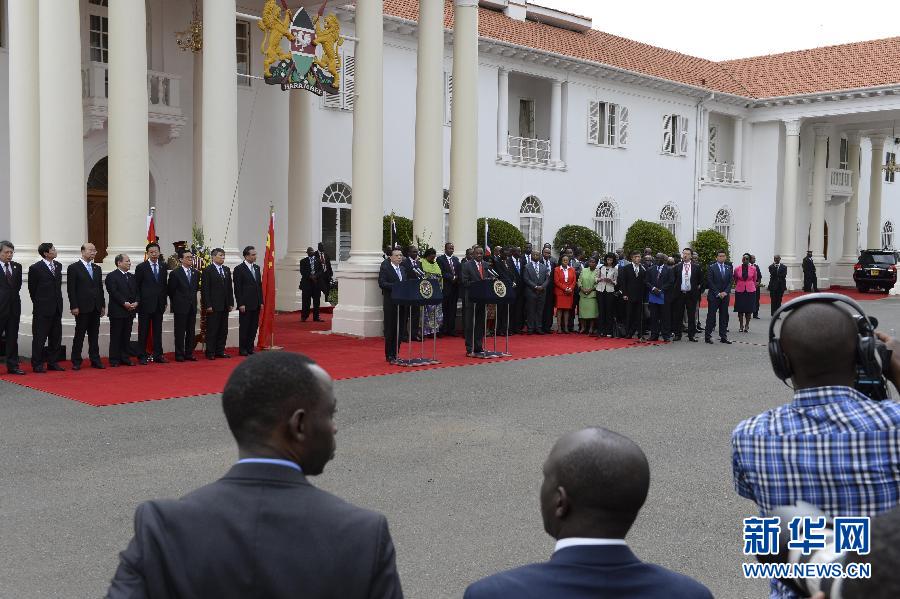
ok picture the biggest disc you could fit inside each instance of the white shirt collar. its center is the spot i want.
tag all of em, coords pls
(186, 269)
(250, 266)
(86, 263)
(585, 542)
(49, 263)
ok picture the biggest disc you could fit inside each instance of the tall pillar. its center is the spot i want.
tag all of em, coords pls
(359, 311)
(464, 127)
(873, 231)
(129, 157)
(555, 122)
(24, 129)
(297, 228)
(503, 114)
(738, 149)
(428, 195)
(219, 154)
(843, 272)
(63, 202)
(820, 180)
(197, 118)
(788, 233)
(747, 144)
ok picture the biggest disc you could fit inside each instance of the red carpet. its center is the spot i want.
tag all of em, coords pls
(343, 357)
(850, 292)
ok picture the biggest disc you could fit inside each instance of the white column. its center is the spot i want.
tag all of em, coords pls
(428, 195)
(555, 122)
(851, 210)
(503, 114)
(24, 129)
(359, 311)
(873, 232)
(129, 158)
(788, 233)
(820, 180)
(197, 117)
(296, 230)
(738, 149)
(219, 154)
(63, 216)
(747, 143)
(464, 127)
(704, 133)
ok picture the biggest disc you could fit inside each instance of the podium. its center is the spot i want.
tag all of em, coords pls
(417, 292)
(500, 294)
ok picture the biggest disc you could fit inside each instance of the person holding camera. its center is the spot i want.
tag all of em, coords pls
(832, 446)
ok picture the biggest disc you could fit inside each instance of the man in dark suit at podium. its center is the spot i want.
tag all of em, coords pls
(184, 283)
(10, 304)
(123, 304)
(450, 267)
(390, 274)
(474, 270)
(87, 303)
(248, 297)
(45, 289)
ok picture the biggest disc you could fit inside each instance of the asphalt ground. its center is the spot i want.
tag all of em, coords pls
(452, 457)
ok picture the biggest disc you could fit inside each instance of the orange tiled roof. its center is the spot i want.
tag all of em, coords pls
(848, 66)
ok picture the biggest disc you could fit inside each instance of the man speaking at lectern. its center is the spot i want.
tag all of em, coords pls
(472, 271)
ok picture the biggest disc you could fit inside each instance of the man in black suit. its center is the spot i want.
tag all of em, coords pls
(595, 484)
(685, 294)
(10, 305)
(123, 304)
(394, 326)
(184, 282)
(632, 281)
(327, 272)
(217, 292)
(549, 294)
(412, 269)
(758, 285)
(151, 278)
(659, 285)
(810, 280)
(516, 264)
(45, 289)
(87, 303)
(263, 530)
(777, 282)
(474, 270)
(311, 271)
(248, 297)
(535, 279)
(718, 280)
(450, 270)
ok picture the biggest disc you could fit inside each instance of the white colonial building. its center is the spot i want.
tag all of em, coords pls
(552, 121)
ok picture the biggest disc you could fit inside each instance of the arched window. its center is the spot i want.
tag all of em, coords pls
(446, 215)
(669, 217)
(887, 235)
(606, 223)
(531, 221)
(336, 204)
(722, 223)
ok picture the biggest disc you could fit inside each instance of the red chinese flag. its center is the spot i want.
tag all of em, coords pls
(267, 318)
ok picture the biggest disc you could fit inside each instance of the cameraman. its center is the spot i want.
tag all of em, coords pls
(831, 446)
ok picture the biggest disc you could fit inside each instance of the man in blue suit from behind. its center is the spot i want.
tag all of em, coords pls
(595, 483)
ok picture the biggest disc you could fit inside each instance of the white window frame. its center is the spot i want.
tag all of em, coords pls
(607, 124)
(844, 155)
(99, 10)
(670, 218)
(446, 215)
(606, 222)
(712, 143)
(887, 235)
(675, 135)
(345, 98)
(889, 158)
(338, 195)
(243, 53)
(723, 223)
(531, 220)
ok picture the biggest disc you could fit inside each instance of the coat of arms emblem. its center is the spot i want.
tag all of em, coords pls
(426, 290)
(500, 288)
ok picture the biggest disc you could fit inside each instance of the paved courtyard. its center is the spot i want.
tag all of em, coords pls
(451, 456)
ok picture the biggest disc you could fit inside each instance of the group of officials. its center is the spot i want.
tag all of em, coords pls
(146, 293)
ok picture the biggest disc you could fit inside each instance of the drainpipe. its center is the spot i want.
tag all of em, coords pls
(698, 149)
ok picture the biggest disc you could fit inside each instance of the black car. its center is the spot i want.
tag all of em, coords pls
(876, 269)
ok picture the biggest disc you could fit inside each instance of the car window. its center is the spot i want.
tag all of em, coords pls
(885, 259)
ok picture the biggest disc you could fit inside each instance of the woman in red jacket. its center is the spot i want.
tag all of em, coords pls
(745, 292)
(564, 283)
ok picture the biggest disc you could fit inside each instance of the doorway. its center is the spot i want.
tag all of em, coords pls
(98, 208)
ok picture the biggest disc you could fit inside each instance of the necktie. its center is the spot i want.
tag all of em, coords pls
(480, 272)
(722, 270)
(221, 273)
(635, 271)
(90, 270)
(8, 273)
(155, 271)
(518, 266)
(397, 270)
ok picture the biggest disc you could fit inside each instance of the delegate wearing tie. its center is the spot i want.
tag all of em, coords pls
(248, 297)
(151, 278)
(45, 289)
(473, 316)
(310, 275)
(184, 282)
(389, 275)
(123, 304)
(217, 293)
(719, 279)
(87, 303)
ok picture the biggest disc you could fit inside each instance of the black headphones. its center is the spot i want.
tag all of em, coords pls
(869, 365)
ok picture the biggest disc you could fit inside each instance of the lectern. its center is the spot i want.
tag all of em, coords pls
(498, 293)
(417, 292)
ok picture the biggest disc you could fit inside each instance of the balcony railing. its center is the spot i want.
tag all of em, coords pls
(720, 172)
(163, 96)
(840, 182)
(533, 151)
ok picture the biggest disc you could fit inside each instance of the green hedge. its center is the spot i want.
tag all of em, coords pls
(709, 242)
(577, 235)
(500, 233)
(644, 234)
(404, 231)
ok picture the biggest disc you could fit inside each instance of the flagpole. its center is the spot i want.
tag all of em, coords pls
(272, 346)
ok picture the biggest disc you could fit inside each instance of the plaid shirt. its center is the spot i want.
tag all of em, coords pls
(831, 446)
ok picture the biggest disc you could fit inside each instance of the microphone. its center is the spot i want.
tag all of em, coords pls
(419, 272)
(493, 273)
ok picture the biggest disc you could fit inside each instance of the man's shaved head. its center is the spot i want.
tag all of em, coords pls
(819, 340)
(595, 483)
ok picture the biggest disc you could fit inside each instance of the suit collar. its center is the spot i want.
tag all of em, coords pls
(596, 555)
(266, 472)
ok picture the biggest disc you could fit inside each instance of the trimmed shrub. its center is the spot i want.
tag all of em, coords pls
(577, 235)
(500, 233)
(708, 242)
(644, 234)
(404, 231)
